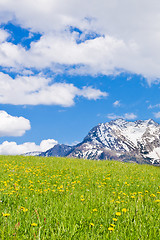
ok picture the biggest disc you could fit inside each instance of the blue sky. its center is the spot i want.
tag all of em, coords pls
(64, 69)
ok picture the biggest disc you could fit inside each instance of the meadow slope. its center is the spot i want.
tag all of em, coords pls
(61, 198)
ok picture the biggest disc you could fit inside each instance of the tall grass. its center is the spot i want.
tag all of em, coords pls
(60, 198)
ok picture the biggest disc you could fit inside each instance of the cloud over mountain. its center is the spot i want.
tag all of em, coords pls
(128, 116)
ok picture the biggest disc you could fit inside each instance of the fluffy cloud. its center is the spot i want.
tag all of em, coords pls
(157, 115)
(13, 126)
(113, 116)
(128, 116)
(116, 103)
(125, 43)
(3, 35)
(62, 49)
(47, 144)
(91, 93)
(36, 90)
(102, 55)
(12, 148)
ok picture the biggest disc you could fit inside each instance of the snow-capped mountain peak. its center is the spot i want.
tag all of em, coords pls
(120, 138)
(137, 141)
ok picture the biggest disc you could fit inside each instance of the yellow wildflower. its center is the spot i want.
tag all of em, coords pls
(34, 224)
(6, 214)
(25, 210)
(95, 210)
(118, 213)
(113, 225)
(152, 195)
(124, 210)
(111, 229)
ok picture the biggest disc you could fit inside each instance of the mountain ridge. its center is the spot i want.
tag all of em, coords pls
(122, 140)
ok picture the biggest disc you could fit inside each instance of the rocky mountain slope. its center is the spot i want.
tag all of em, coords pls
(122, 140)
(137, 141)
(59, 150)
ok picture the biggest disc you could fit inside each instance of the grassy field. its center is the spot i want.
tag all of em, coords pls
(58, 198)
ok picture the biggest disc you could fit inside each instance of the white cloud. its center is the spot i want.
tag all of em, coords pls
(12, 148)
(36, 90)
(128, 44)
(154, 106)
(128, 116)
(47, 144)
(13, 126)
(116, 103)
(96, 55)
(157, 115)
(113, 116)
(91, 93)
(3, 35)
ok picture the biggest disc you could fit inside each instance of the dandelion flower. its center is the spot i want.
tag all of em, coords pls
(124, 210)
(118, 213)
(112, 225)
(111, 229)
(115, 219)
(152, 195)
(34, 224)
(25, 209)
(92, 224)
(6, 214)
(95, 210)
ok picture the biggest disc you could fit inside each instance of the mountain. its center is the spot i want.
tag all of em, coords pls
(137, 141)
(36, 153)
(59, 150)
(118, 139)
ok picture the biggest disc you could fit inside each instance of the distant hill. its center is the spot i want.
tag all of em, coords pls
(59, 150)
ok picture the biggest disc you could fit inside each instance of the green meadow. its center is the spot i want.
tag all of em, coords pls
(61, 198)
